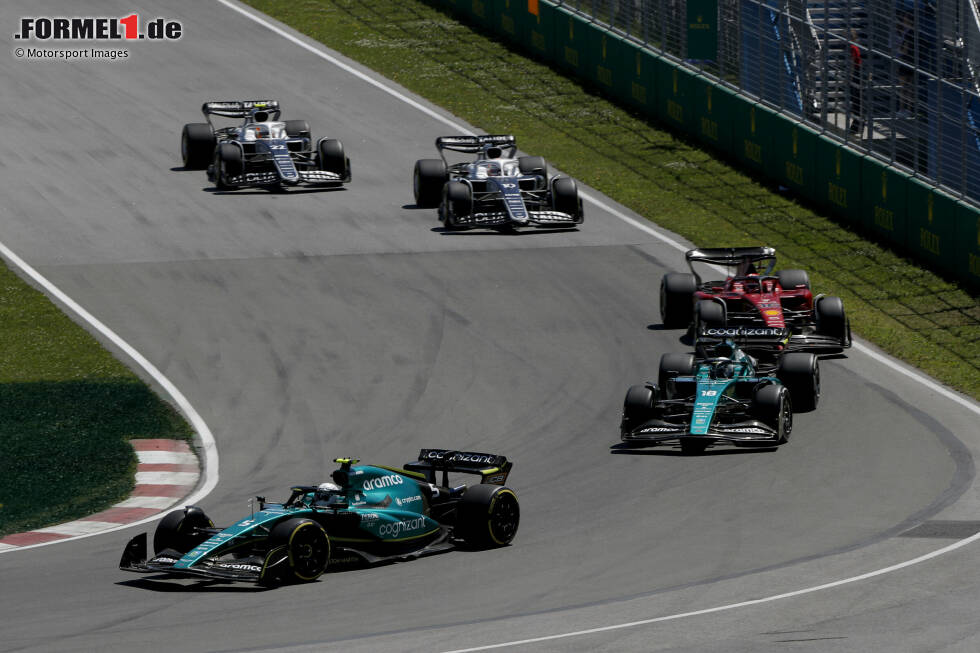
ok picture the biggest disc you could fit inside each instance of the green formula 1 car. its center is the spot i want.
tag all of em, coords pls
(721, 395)
(367, 514)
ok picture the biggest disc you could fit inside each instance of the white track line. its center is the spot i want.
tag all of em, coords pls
(209, 450)
(929, 383)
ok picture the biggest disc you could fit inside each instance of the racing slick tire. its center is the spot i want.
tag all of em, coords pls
(772, 405)
(534, 165)
(298, 129)
(638, 407)
(708, 314)
(674, 365)
(307, 551)
(178, 530)
(228, 161)
(564, 196)
(831, 319)
(793, 279)
(331, 157)
(676, 291)
(457, 202)
(487, 516)
(800, 373)
(197, 145)
(428, 178)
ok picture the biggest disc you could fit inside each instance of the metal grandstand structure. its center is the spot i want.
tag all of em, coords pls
(912, 102)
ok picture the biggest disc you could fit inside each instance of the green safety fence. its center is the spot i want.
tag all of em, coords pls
(867, 193)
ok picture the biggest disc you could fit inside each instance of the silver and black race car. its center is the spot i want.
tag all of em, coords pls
(262, 150)
(496, 189)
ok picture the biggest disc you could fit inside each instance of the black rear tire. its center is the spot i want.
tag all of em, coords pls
(197, 145)
(676, 296)
(793, 279)
(772, 405)
(429, 177)
(487, 516)
(564, 196)
(307, 550)
(674, 365)
(297, 129)
(178, 530)
(800, 373)
(534, 165)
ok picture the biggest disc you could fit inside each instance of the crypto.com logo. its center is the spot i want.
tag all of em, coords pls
(97, 29)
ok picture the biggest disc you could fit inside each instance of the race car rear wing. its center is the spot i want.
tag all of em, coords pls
(474, 144)
(238, 108)
(739, 257)
(746, 338)
(492, 469)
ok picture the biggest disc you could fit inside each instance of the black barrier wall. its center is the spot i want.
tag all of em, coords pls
(867, 193)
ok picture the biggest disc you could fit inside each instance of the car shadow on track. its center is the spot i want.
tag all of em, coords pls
(496, 232)
(273, 190)
(164, 584)
(623, 449)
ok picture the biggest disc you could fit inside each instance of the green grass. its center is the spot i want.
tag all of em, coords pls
(908, 311)
(69, 409)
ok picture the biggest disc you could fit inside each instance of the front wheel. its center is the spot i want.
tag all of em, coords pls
(457, 203)
(331, 157)
(772, 406)
(638, 407)
(306, 548)
(228, 162)
(832, 321)
(564, 196)
(676, 293)
(181, 530)
(488, 516)
(428, 178)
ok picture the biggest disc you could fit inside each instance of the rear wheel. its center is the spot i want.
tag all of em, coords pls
(331, 156)
(832, 321)
(638, 407)
(487, 516)
(307, 550)
(674, 365)
(427, 181)
(297, 129)
(793, 279)
(179, 530)
(196, 145)
(772, 406)
(800, 373)
(564, 196)
(676, 292)
(534, 165)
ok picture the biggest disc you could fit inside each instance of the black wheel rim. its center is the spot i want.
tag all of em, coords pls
(308, 551)
(505, 516)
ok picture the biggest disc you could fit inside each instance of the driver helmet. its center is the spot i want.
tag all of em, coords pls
(493, 169)
(328, 488)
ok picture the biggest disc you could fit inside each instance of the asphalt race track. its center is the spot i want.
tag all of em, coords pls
(307, 325)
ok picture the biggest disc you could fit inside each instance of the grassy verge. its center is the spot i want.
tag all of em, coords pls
(908, 311)
(69, 409)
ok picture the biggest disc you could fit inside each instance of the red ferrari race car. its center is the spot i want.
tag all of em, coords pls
(752, 298)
